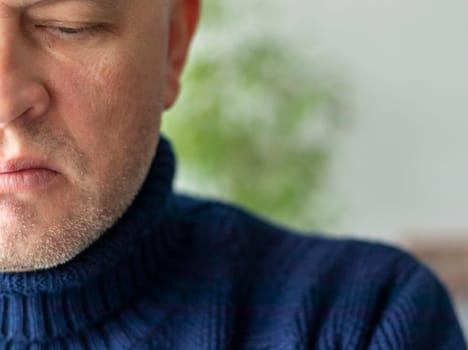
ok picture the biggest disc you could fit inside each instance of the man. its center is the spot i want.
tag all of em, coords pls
(97, 252)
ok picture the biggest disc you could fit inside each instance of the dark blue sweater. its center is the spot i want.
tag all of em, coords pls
(180, 273)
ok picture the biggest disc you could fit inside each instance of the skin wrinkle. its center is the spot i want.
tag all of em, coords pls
(105, 96)
(41, 136)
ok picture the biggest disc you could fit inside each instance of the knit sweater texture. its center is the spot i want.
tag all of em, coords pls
(182, 273)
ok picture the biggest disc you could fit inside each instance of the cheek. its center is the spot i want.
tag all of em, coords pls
(111, 93)
(89, 97)
(111, 110)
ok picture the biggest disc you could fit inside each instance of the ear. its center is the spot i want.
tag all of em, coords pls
(183, 20)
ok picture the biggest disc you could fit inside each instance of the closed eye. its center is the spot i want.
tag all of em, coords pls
(70, 32)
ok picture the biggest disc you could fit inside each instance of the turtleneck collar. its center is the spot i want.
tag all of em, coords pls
(116, 243)
(116, 264)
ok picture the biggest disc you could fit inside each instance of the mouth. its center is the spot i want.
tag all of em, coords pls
(21, 174)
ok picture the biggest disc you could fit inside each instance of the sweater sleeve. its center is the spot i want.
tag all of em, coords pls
(419, 317)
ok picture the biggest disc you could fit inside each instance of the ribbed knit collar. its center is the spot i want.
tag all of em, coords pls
(99, 280)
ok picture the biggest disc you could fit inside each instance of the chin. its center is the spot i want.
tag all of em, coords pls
(35, 240)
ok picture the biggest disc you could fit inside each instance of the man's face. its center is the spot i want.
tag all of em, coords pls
(82, 87)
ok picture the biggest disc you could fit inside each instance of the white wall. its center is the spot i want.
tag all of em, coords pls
(404, 165)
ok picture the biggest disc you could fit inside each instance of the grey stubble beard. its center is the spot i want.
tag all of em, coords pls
(33, 244)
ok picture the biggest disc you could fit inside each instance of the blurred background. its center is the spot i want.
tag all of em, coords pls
(347, 117)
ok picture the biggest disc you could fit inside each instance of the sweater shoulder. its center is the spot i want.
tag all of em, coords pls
(314, 291)
(268, 249)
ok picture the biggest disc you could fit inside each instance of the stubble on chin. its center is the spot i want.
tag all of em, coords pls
(36, 236)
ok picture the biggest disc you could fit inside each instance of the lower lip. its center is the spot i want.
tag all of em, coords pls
(27, 179)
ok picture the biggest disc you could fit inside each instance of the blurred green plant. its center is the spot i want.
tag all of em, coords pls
(255, 124)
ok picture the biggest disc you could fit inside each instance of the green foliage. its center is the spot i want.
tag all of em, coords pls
(255, 125)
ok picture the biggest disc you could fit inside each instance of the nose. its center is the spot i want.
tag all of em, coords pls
(22, 92)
